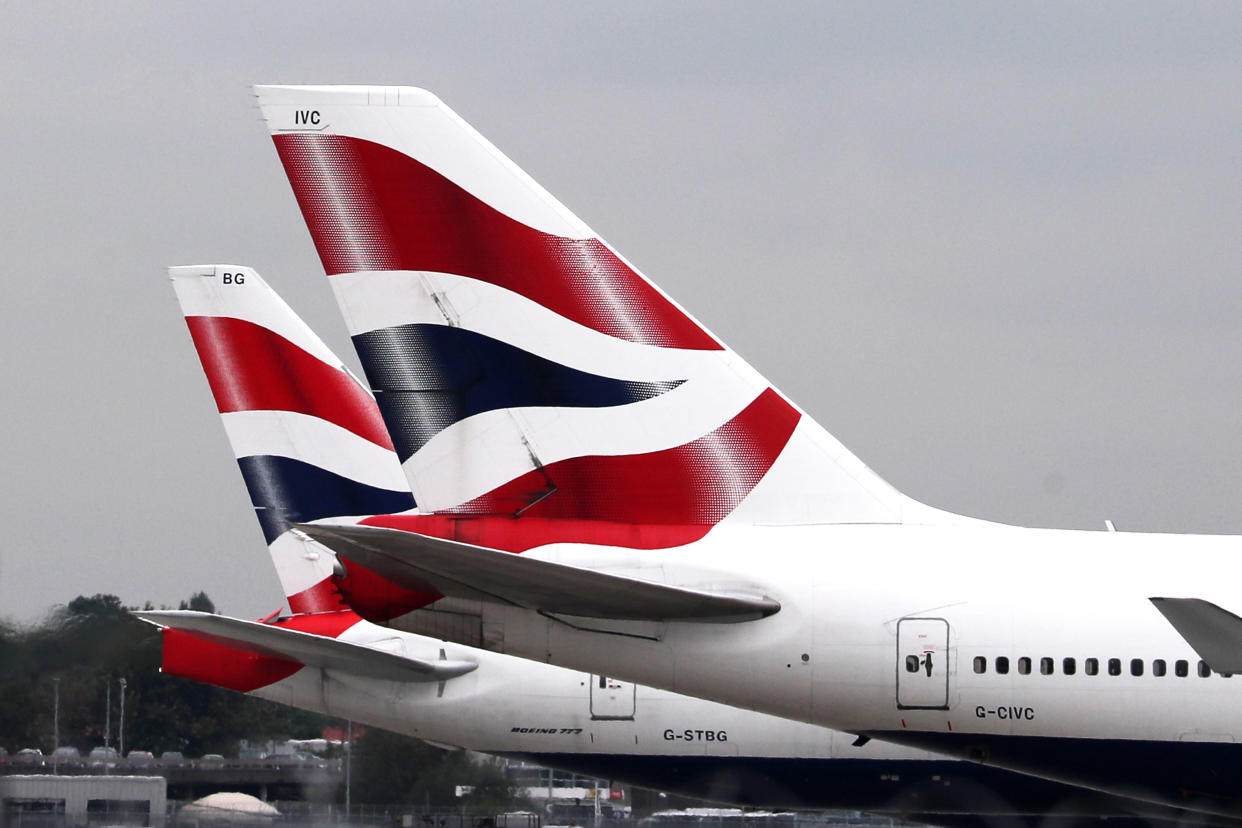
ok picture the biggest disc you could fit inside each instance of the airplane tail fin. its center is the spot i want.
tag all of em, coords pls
(522, 366)
(308, 437)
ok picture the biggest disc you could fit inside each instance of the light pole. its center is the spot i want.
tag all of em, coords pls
(349, 754)
(56, 725)
(120, 738)
(108, 712)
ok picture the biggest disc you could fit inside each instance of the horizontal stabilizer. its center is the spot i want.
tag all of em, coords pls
(465, 571)
(1214, 633)
(306, 648)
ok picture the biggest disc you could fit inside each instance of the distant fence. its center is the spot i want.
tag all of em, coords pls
(316, 815)
(737, 818)
(312, 815)
(309, 814)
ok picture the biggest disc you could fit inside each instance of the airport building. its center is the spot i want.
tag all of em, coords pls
(81, 800)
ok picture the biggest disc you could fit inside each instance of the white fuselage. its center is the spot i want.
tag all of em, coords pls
(611, 729)
(859, 602)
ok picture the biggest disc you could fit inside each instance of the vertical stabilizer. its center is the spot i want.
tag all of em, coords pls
(522, 366)
(308, 437)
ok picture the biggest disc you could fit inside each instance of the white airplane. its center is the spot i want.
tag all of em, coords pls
(310, 443)
(710, 538)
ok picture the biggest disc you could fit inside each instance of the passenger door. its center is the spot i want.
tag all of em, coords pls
(923, 663)
(611, 699)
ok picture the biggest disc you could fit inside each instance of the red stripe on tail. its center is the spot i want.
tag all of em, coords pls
(377, 599)
(656, 500)
(642, 501)
(698, 483)
(511, 534)
(250, 368)
(369, 207)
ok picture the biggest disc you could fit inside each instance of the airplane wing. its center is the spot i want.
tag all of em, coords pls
(1214, 633)
(463, 570)
(306, 648)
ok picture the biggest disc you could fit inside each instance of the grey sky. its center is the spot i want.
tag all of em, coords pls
(994, 249)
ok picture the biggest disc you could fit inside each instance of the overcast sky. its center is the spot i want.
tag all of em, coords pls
(993, 248)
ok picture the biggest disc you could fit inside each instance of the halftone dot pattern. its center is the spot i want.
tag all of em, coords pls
(285, 491)
(369, 207)
(510, 534)
(251, 368)
(698, 483)
(348, 227)
(375, 598)
(428, 377)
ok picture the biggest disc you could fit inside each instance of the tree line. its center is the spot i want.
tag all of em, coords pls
(86, 646)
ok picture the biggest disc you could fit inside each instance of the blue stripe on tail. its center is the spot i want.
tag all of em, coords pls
(285, 491)
(427, 377)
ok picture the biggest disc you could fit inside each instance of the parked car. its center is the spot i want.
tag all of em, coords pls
(66, 756)
(306, 759)
(4, 756)
(103, 757)
(172, 758)
(29, 756)
(211, 760)
(140, 758)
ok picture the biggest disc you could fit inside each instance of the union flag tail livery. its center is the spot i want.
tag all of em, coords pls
(308, 437)
(522, 366)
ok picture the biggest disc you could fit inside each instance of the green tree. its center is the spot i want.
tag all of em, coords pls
(391, 768)
(97, 606)
(199, 602)
(92, 642)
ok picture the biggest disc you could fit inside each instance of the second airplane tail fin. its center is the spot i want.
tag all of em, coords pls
(307, 436)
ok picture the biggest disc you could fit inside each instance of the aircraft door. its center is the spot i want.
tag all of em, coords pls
(611, 699)
(923, 663)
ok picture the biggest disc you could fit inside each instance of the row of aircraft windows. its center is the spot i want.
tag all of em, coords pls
(1091, 666)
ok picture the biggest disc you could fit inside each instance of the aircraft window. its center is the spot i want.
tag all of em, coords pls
(1092, 666)
(1158, 667)
(1069, 666)
(1024, 666)
(1136, 666)
(912, 664)
(1045, 666)
(1114, 666)
(1204, 670)
(1002, 664)
(981, 664)
(1181, 668)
